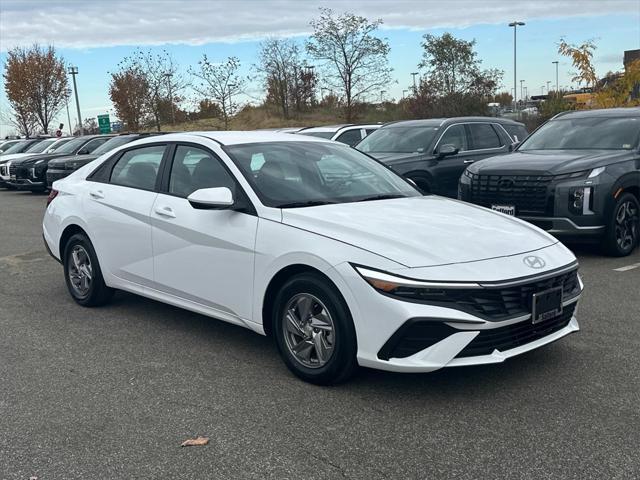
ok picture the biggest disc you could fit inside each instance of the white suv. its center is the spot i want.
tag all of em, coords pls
(349, 134)
(342, 261)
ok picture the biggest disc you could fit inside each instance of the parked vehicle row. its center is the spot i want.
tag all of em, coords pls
(342, 261)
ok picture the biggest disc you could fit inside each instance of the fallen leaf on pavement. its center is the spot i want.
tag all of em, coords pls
(195, 442)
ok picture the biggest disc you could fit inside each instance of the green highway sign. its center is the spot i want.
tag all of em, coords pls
(104, 124)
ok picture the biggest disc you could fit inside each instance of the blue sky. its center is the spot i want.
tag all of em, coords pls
(238, 34)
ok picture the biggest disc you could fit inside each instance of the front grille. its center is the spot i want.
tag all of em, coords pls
(20, 172)
(528, 193)
(12, 170)
(516, 335)
(493, 303)
(415, 336)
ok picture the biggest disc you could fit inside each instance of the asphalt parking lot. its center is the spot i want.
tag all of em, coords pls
(112, 392)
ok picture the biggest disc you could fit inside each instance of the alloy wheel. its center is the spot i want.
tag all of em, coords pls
(626, 226)
(80, 271)
(309, 331)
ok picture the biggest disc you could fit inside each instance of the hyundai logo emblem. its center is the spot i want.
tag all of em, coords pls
(533, 261)
(505, 184)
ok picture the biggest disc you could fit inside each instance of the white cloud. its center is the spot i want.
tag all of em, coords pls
(80, 24)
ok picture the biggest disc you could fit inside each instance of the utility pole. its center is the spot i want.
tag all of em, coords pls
(521, 90)
(515, 26)
(73, 71)
(556, 63)
(413, 74)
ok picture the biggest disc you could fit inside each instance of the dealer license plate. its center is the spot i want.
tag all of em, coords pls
(546, 305)
(506, 209)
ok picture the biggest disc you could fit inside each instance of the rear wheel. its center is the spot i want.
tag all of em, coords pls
(314, 330)
(82, 273)
(623, 230)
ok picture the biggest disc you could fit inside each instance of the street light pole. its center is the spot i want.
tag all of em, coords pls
(521, 90)
(556, 63)
(413, 74)
(515, 26)
(73, 71)
(68, 116)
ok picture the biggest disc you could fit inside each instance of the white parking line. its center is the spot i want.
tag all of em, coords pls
(627, 267)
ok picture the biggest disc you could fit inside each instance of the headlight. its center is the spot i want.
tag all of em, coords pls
(581, 200)
(409, 288)
(596, 171)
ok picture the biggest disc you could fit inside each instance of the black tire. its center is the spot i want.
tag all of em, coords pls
(342, 362)
(98, 293)
(422, 183)
(614, 243)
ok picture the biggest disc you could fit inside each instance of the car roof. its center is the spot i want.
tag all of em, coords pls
(603, 112)
(438, 122)
(336, 128)
(236, 137)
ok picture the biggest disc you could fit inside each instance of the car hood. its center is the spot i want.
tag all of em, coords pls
(551, 162)
(421, 231)
(15, 156)
(36, 158)
(75, 159)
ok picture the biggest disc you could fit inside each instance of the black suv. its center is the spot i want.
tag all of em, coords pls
(433, 153)
(30, 173)
(577, 177)
(63, 166)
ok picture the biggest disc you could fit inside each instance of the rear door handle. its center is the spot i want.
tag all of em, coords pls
(165, 212)
(97, 194)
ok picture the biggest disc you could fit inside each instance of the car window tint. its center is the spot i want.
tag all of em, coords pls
(517, 132)
(484, 136)
(195, 168)
(350, 137)
(456, 136)
(138, 168)
(93, 144)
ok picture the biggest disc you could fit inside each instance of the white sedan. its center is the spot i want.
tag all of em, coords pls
(339, 259)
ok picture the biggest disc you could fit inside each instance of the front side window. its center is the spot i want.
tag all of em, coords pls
(113, 142)
(456, 136)
(517, 132)
(398, 139)
(93, 144)
(194, 168)
(592, 133)
(350, 137)
(138, 168)
(72, 146)
(484, 136)
(297, 174)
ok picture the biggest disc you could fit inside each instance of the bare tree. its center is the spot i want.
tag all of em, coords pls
(279, 59)
(355, 61)
(220, 83)
(36, 85)
(20, 118)
(129, 92)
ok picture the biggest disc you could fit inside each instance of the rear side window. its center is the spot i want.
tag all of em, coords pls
(138, 168)
(350, 137)
(483, 136)
(517, 132)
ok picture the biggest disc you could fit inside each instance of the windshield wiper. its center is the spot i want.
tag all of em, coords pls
(388, 196)
(309, 203)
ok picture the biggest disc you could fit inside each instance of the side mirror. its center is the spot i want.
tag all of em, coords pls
(447, 150)
(513, 146)
(211, 198)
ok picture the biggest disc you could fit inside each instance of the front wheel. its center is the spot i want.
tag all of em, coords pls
(83, 274)
(314, 331)
(623, 230)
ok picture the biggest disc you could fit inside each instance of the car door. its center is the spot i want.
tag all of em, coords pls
(117, 209)
(203, 256)
(447, 170)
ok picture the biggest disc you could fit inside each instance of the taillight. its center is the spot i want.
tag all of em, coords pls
(52, 194)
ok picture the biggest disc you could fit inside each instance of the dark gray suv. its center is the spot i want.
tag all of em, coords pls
(433, 153)
(577, 177)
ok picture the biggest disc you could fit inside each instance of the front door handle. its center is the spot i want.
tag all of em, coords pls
(469, 161)
(97, 194)
(165, 212)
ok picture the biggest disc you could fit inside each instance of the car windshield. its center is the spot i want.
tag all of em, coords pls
(398, 139)
(72, 146)
(318, 134)
(300, 174)
(19, 147)
(591, 133)
(113, 143)
(40, 146)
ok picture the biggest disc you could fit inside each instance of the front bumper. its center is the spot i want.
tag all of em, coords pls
(566, 227)
(381, 319)
(26, 184)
